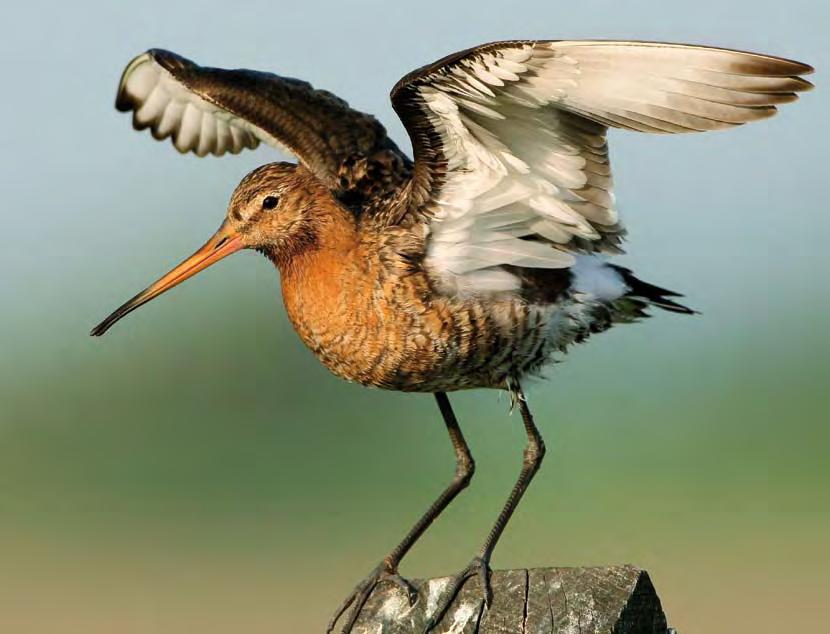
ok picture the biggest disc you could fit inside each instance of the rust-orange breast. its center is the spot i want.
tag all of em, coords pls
(371, 316)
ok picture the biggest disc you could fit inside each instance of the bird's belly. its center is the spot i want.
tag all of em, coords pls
(452, 346)
(373, 318)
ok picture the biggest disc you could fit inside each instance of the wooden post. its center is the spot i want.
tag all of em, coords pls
(611, 600)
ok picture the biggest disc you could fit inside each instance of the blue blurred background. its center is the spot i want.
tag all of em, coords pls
(197, 470)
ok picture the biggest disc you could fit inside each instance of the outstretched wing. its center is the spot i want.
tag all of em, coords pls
(511, 160)
(212, 110)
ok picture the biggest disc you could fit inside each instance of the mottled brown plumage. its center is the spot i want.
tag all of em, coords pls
(358, 296)
(475, 264)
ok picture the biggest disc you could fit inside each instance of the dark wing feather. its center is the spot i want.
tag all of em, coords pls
(212, 110)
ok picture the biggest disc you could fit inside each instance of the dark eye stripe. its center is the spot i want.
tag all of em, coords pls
(269, 202)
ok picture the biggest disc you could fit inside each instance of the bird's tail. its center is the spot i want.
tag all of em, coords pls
(640, 296)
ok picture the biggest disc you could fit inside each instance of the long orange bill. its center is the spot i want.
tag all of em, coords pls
(224, 242)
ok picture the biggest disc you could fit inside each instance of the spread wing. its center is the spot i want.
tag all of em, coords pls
(212, 110)
(511, 159)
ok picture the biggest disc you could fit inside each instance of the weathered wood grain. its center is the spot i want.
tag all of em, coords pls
(610, 600)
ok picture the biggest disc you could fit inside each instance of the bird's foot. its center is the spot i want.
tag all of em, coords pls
(358, 597)
(478, 566)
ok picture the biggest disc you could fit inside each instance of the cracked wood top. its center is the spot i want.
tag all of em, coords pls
(608, 600)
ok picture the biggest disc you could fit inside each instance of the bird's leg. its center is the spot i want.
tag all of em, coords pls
(480, 565)
(388, 568)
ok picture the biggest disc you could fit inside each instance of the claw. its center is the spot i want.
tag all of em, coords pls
(403, 584)
(477, 566)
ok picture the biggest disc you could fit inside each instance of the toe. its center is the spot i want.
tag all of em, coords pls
(356, 600)
(477, 566)
(340, 610)
(360, 595)
(484, 578)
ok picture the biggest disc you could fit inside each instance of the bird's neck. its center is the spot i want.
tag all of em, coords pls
(317, 278)
(329, 237)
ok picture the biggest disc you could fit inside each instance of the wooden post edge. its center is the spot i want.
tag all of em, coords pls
(607, 600)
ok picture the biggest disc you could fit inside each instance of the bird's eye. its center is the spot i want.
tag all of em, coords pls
(269, 202)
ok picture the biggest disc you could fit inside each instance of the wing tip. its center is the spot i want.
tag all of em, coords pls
(174, 140)
(803, 85)
(775, 66)
(123, 101)
(167, 60)
(126, 102)
(794, 67)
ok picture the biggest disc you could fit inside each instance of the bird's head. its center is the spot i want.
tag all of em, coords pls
(271, 210)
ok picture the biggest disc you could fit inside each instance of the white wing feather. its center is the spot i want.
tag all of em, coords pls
(523, 135)
(170, 109)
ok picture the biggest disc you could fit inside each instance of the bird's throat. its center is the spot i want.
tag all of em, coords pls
(320, 281)
(330, 236)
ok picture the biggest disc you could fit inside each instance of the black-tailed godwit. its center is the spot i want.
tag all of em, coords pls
(475, 264)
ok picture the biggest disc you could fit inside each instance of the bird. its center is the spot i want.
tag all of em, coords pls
(480, 260)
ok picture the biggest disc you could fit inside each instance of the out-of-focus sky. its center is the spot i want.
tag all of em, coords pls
(198, 470)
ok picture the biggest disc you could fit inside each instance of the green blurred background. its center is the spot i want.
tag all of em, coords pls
(197, 470)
